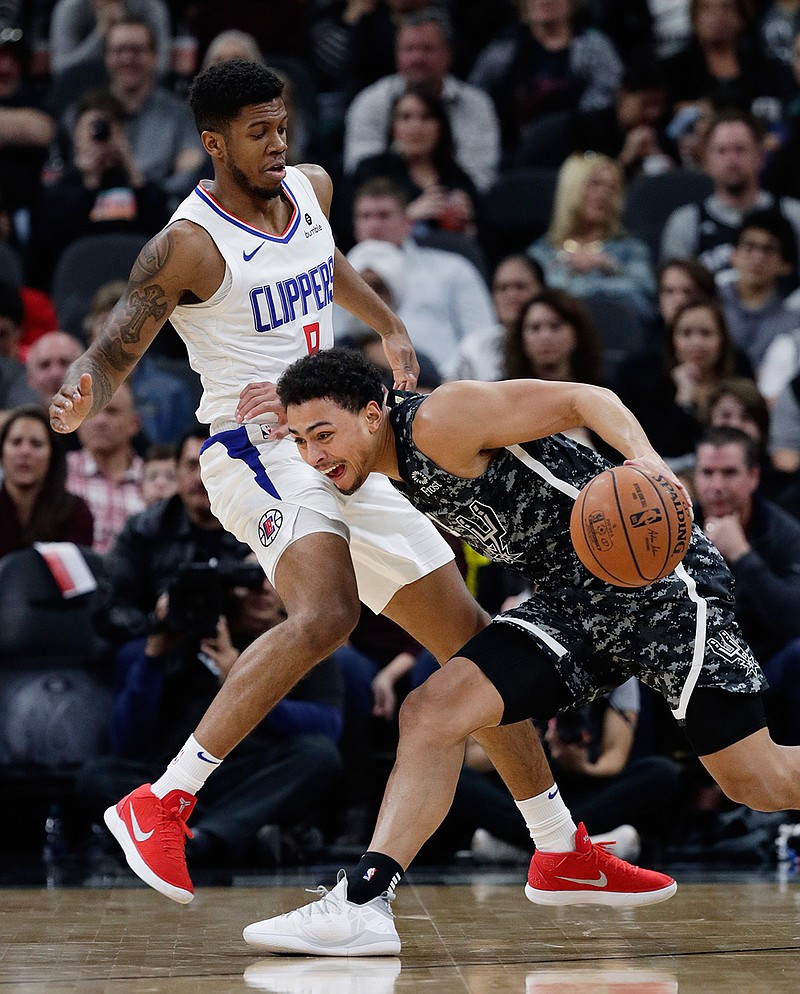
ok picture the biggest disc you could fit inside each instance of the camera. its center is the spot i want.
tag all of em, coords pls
(100, 129)
(199, 595)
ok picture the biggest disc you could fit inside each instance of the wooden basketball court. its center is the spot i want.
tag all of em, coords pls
(472, 938)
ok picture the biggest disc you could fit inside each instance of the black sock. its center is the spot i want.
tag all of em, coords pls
(374, 874)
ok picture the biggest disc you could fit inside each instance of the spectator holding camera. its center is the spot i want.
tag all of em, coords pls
(185, 602)
(102, 191)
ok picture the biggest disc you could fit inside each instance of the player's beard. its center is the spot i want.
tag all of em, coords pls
(263, 192)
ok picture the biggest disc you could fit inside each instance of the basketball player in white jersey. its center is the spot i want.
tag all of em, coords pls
(245, 272)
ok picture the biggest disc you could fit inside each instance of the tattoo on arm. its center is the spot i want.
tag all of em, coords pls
(109, 361)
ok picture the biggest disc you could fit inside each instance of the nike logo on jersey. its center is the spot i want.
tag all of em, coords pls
(601, 881)
(214, 762)
(138, 834)
(247, 256)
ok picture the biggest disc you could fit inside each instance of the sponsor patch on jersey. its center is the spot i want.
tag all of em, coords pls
(269, 526)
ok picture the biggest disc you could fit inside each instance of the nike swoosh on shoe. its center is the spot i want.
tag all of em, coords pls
(138, 834)
(601, 881)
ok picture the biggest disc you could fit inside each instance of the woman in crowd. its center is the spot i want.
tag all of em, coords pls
(34, 503)
(670, 398)
(555, 339)
(586, 251)
(516, 279)
(679, 281)
(419, 155)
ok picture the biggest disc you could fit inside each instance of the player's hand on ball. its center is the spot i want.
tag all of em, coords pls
(653, 463)
(71, 404)
(258, 402)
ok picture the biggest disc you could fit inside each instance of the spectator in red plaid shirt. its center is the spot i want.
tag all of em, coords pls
(107, 471)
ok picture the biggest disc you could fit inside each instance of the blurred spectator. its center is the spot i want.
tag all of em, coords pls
(764, 252)
(372, 38)
(10, 321)
(516, 279)
(780, 22)
(232, 44)
(784, 430)
(166, 147)
(162, 400)
(630, 130)
(724, 64)
(736, 402)
(733, 158)
(669, 396)
(185, 620)
(678, 282)
(384, 267)
(107, 471)
(446, 298)
(14, 389)
(782, 176)
(546, 64)
(554, 338)
(79, 30)
(103, 191)
(424, 56)
(418, 155)
(761, 545)
(34, 503)
(671, 26)
(26, 131)
(586, 250)
(159, 479)
(48, 360)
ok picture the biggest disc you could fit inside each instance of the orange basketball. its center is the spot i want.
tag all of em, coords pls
(630, 528)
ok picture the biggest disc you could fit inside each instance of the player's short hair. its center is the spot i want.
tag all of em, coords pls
(341, 375)
(218, 93)
(726, 435)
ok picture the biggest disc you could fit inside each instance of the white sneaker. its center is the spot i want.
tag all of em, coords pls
(487, 848)
(331, 926)
(315, 976)
(627, 843)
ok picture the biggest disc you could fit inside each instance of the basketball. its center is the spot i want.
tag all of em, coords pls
(629, 527)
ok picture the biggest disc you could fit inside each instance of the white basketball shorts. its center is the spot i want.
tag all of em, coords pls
(268, 497)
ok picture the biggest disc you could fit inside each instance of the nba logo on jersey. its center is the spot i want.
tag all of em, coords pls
(269, 526)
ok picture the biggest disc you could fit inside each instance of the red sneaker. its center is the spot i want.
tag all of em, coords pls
(591, 875)
(151, 831)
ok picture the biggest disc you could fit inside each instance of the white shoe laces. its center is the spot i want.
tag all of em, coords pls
(329, 903)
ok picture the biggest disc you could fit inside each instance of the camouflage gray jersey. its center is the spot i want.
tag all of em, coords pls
(674, 634)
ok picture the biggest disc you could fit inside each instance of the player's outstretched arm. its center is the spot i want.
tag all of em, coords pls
(165, 272)
(465, 419)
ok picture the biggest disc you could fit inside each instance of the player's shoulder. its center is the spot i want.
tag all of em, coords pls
(443, 410)
(320, 181)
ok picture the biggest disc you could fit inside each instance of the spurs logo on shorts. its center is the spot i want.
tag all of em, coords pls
(269, 526)
(728, 647)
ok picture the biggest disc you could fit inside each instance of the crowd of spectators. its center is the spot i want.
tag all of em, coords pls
(483, 153)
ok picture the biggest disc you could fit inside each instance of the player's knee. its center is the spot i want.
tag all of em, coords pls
(325, 630)
(433, 711)
(763, 789)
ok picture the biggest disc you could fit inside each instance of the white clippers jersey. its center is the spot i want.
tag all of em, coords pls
(275, 303)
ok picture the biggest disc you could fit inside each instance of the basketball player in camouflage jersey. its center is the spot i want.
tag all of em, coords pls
(486, 461)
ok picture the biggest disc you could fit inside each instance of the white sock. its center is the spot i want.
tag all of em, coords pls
(549, 821)
(188, 771)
